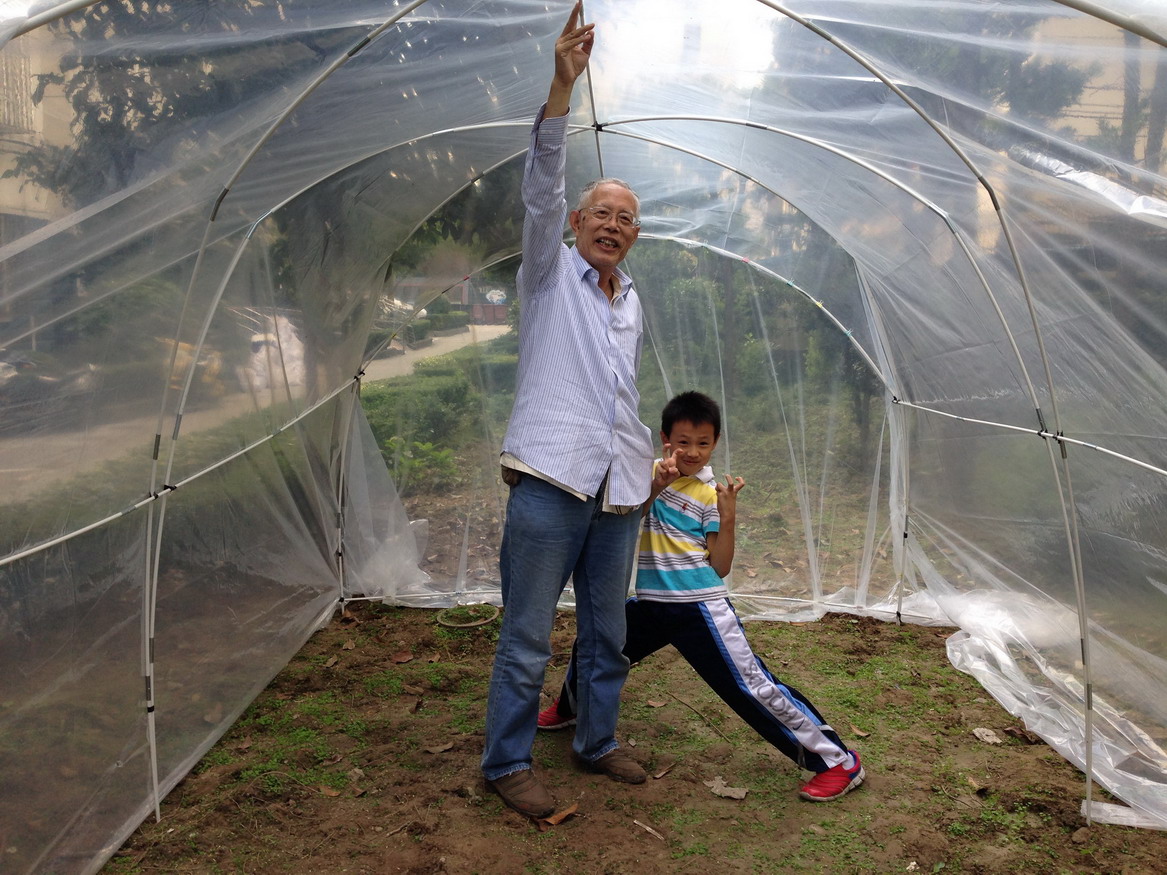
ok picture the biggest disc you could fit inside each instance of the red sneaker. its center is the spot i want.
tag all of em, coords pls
(550, 718)
(832, 783)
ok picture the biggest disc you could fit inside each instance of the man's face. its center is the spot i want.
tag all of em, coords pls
(696, 443)
(603, 243)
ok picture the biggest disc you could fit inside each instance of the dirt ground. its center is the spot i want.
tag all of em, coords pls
(362, 756)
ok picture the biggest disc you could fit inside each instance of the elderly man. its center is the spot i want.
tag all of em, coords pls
(576, 456)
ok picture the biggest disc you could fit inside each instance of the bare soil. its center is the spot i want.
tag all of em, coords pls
(362, 756)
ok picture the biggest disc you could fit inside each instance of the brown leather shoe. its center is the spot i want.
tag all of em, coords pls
(523, 792)
(619, 765)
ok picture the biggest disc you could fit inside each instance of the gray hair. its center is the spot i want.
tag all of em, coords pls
(585, 193)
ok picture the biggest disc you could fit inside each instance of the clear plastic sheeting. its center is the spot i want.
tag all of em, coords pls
(257, 303)
(382, 548)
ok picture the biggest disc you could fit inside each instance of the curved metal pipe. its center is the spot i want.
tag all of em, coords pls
(1062, 477)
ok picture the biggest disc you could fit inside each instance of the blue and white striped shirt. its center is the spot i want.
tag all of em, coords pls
(673, 564)
(575, 417)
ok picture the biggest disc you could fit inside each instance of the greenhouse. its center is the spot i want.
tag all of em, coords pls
(911, 248)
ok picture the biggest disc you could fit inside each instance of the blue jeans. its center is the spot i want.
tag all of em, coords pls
(549, 536)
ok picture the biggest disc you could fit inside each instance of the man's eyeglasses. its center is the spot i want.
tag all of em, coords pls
(603, 214)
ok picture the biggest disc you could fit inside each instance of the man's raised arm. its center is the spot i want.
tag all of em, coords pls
(573, 50)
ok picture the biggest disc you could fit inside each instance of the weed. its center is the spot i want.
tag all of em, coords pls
(682, 817)
(217, 756)
(696, 849)
(386, 684)
(998, 819)
(467, 709)
(355, 728)
(436, 675)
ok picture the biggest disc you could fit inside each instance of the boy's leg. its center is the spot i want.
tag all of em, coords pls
(566, 701)
(712, 640)
(645, 636)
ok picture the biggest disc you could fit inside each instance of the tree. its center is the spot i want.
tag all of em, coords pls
(485, 218)
(132, 100)
(142, 105)
(1156, 121)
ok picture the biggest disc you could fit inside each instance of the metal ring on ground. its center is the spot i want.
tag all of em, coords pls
(441, 618)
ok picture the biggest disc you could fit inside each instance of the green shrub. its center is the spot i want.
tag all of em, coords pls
(490, 371)
(456, 319)
(448, 319)
(439, 306)
(416, 331)
(499, 370)
(378, 339)
(417, 466)
(439, 366)
(420, 407)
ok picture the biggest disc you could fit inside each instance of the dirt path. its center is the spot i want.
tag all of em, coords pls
(399, 365)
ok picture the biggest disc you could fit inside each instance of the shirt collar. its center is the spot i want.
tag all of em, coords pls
(581, 268)
(705, 475)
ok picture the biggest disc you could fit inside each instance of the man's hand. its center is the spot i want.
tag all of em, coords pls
(573, 50)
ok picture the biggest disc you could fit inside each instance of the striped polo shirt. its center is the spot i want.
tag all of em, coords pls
(673, 565)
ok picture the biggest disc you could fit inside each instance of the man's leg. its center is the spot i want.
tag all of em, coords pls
(601, 576)
(545, 528)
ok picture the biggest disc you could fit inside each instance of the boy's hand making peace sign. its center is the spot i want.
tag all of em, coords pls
(727, 497)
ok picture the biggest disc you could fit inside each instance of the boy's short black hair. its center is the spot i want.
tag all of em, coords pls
(694, 407)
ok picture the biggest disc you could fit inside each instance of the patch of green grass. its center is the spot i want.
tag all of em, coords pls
(1005, 822)
(466, 614)
(448, 636)
(470, 639)
(291, 743)
(770, 784)
(216, 756)
(387, 684)
(843, 842)
(322, 708)
(437, 675)
(467, 708)
(679, 817)
(693, 849)
(355, 728)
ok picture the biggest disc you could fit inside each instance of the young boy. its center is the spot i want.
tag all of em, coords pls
(686, 547)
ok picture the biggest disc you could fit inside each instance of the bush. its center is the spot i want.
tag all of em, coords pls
(499, 371)
(448, 320)
(438, 366)
(419, 463)
(490, 371)
(378, 339)
(421, 407)
(457, 319)
(416, 331)
(439, 306)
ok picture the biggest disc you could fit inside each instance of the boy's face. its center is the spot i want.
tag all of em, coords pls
(696, 443)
